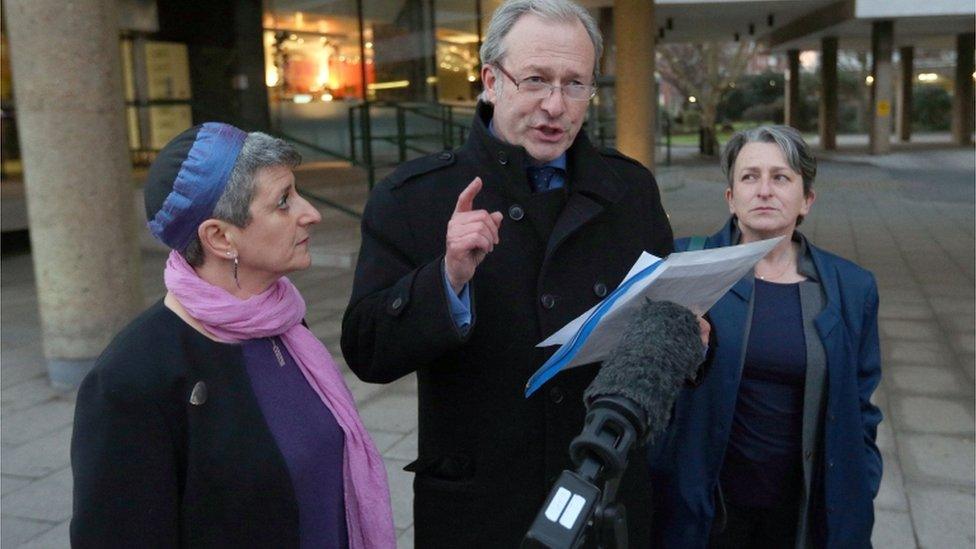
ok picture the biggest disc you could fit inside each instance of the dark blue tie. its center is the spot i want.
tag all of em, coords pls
(540, 177)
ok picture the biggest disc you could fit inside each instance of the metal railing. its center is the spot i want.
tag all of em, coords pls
(330, 203)
(417, 129)
(601, 126)
(434, 127)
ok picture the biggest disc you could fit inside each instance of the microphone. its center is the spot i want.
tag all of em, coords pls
(658, 352)
(628, 402)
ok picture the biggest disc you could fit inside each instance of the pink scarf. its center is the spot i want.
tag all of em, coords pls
(278, 311)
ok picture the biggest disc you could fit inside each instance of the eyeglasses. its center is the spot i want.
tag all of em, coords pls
(534, 87)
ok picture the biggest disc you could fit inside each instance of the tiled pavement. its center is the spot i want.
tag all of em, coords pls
(908, 217)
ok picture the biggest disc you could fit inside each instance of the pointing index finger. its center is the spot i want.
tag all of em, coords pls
(465, 200)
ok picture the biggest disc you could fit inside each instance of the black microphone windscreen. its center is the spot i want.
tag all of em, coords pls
(658, 352)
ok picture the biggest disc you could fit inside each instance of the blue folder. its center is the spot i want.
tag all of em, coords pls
(566, 353)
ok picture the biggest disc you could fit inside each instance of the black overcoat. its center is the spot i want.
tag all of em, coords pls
(152, 469)
(487, 456)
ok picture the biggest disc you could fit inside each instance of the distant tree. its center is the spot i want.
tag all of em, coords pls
(759, 95)
(705, 72)
(764, 113)
(759, 98)
(931, 108)
(810, 87)
(733, 103)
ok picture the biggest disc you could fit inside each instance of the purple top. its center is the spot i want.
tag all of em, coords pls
(308, 437)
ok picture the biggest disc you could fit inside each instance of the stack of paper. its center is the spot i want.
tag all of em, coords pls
(696, 280)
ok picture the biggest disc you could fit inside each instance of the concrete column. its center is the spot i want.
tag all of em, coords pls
(882, 89)
(78, 178)
(791, 103)
(828, 93)
(903, 116)
(636, 100)
(962, 98)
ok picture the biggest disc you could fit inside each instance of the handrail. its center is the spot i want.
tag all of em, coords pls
(361, 142)
(418, 109)
(362, 136)
(246, 126)
(418, 112)
(602, 127)
(314, 146)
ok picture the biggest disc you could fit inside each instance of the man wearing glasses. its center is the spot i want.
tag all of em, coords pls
(471, 257)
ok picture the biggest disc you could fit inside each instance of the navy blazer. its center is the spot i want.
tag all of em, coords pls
(685, 462)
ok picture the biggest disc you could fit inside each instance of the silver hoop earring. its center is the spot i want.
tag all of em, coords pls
(236, 280)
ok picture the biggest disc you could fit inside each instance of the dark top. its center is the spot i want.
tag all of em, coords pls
(763, 463)
(308, 437)
(153, 469)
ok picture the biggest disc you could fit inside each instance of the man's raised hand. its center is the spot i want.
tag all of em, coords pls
(471, 235)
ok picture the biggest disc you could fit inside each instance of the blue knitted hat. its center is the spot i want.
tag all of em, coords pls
(187, 179)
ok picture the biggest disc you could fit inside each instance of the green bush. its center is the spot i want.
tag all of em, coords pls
(691, 120)
(850, 118)
(760, 98)
(751, 90)
(765, 112)
(931, 108)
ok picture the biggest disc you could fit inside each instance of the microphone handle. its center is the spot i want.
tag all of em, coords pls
(600, 451)
(613, 425)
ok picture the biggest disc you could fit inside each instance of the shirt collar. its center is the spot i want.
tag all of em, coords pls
(558, 162)
(805, 265)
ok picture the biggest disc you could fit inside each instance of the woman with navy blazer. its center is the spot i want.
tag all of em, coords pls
(776, 446)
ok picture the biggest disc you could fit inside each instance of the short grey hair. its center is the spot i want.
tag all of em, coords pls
(561, 11)
(795, 150)
(260, 151)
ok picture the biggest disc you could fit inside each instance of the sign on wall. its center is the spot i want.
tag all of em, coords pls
(167, 71)
(166, 122)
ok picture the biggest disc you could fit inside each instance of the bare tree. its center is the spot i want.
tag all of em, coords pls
(705, 72)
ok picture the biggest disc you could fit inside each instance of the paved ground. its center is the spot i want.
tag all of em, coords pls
(909, 217)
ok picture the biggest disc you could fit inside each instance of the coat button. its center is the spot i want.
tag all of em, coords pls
(556, 395)
(445, 155)
(516, 212)
(199, 394)
(395, 307)
(548, 301)
(600, 289)
(502, 158)
(830, 464)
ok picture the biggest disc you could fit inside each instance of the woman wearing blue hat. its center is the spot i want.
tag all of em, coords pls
(216, 418)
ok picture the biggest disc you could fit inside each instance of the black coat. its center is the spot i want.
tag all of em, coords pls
(153, 470)
(487, 455)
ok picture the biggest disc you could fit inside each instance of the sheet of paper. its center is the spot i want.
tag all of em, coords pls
(566, 332)
(696, 280)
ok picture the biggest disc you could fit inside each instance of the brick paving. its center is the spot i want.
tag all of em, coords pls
(909, 217)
